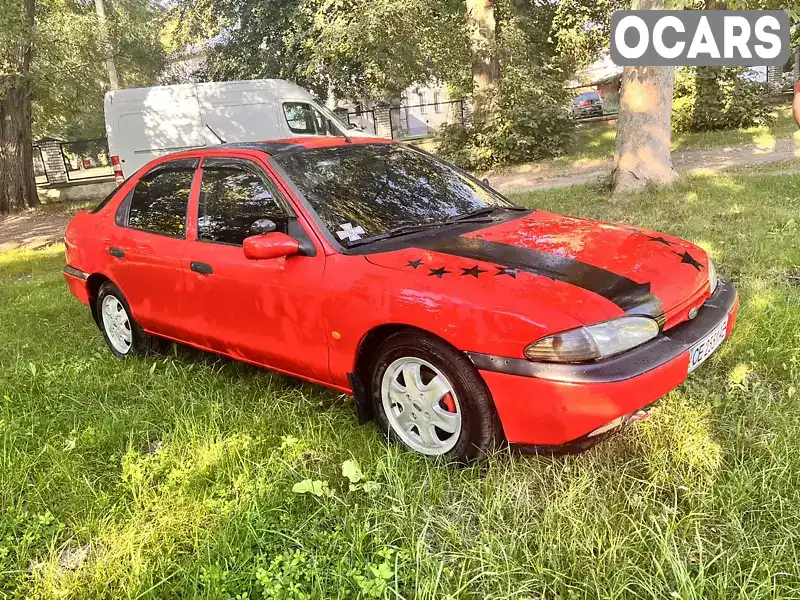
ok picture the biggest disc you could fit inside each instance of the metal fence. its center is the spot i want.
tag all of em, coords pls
(86, 159)
(423, 120)
(364, 119)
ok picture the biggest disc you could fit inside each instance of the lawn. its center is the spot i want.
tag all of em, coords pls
(597, 141)
(173, 475)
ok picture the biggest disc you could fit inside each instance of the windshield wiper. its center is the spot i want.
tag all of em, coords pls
(476, 216)
(486, 210)
(406, 229)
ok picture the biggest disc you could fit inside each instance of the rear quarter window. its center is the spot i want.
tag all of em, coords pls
(105, 201)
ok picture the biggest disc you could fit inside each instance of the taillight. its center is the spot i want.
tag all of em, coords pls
(117, 167)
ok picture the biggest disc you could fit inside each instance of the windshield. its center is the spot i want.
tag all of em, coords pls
(333, 117)
(365, 190)
(586, 96)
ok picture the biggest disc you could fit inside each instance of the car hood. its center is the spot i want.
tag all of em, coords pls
(581, 262)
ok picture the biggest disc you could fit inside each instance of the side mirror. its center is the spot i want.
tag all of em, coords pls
(485, 182)
(269, 245)
(262, 226)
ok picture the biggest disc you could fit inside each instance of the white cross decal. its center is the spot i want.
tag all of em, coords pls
(351, 233)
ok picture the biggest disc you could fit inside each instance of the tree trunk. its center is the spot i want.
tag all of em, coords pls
(643, 137)
(17, 180)
(485, 64)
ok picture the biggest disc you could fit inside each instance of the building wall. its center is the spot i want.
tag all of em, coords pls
(420, 111)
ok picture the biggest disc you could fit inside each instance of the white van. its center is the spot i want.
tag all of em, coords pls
(145, 123)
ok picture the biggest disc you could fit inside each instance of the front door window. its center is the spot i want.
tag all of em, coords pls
(233, 197)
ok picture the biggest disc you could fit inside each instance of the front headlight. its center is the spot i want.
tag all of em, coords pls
(594, 341)
(712, 275)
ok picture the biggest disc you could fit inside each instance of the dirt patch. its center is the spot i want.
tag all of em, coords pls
(529, 177)
(36, 228)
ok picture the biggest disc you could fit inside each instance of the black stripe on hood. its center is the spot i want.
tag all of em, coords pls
(634, 298)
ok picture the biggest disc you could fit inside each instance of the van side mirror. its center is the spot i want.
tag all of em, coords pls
(269, 245)
(485, 182)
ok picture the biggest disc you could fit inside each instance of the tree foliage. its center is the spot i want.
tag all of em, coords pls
(353, 48)
(539, 46)
(69, 71)
(713, 98)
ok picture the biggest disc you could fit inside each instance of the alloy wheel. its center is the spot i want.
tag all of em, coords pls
(117, 324)
(421, 406)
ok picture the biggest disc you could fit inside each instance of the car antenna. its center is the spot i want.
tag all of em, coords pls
(216, 135)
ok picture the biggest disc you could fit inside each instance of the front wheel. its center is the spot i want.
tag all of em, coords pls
(429, 397)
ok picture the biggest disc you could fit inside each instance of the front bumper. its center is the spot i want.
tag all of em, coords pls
(553, 403)
(593, 111)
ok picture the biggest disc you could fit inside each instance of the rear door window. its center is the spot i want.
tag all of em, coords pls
(160, 199)
(234, 195)
(304, 119)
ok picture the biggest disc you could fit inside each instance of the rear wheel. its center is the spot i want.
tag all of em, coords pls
(122, 333)
(430, 398)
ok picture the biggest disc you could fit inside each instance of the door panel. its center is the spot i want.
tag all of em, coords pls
(150, 274)
(148, 247)
(265, 311)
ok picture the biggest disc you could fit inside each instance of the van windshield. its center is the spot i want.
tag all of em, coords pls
(333, 118)
(312, 119)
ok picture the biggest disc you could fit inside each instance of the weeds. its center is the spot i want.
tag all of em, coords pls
(188, 475)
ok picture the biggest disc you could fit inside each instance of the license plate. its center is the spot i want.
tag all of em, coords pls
(706, 347)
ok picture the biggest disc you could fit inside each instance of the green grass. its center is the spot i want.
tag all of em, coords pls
(177, 470)
(598, 141)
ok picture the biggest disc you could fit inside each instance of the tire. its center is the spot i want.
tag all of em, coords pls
(411, 415)
(124, 336)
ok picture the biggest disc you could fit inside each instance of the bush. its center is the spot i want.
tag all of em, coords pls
(516, 123)
(714, 98)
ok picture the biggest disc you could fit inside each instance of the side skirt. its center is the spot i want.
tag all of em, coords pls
(326, 384)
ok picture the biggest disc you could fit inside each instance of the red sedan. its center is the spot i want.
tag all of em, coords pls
(456, 318)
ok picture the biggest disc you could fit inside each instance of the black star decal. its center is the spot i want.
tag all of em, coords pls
(438, 272)
(474, 271)
(506, 271)
(688, 259)
(660, 240)
(414, 263)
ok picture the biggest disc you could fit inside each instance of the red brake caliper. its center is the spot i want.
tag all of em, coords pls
(449, 403)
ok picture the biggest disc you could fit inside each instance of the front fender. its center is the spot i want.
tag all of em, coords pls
(361, 297)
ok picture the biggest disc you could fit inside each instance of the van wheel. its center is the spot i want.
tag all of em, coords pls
(429, 397)
(122, 333)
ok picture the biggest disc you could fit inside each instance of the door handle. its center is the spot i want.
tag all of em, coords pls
(116, 252)
(201, 267)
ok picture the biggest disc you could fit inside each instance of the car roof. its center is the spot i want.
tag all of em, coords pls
(283, 146)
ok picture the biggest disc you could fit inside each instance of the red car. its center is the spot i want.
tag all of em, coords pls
(456, 318)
